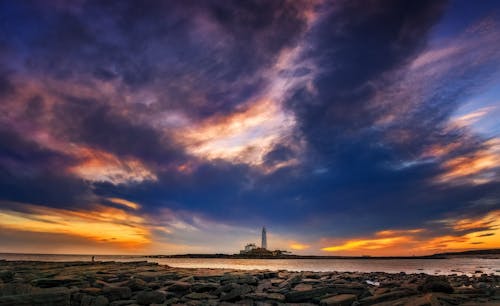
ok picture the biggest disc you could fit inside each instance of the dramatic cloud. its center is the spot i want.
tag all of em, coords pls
(345, 127)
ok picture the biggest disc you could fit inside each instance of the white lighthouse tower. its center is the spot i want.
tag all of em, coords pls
(264, 238)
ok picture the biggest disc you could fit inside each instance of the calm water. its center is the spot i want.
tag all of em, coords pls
(430, 266)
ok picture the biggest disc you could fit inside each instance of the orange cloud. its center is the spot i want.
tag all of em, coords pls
(368, 244)
(125, 203)
(482, 232)
(299, 246)
(470, 118)
(474, 168)
(103, 224)
(242, 137)
(102, 166)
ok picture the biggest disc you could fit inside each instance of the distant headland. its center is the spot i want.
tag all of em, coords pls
(492, 253)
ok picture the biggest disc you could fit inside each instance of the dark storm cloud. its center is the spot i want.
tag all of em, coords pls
(191, 53)
(31, 174)
(94, 123)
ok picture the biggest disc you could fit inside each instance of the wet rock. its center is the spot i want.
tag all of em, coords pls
(339, 300)
(150, 297)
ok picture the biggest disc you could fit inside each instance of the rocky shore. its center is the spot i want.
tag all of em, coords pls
(24, 283)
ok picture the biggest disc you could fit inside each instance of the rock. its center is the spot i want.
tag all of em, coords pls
(136, 284)
(385, 297)
(278, 297)
(91, 291)
(200, 296)
(122, 303)
(295, 279)
(436, 284)
(303, 287)
(49, 297)
(6, 276)
(204, 287)
(236, 293)
(187, 279)
(240, 279)
(150, 297)
(100, 301)
(339, 300)
(51, 282)
(307, 295)
(263, 286)
(117, 293)
(179, 286)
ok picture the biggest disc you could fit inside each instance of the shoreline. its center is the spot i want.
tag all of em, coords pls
(147, 283)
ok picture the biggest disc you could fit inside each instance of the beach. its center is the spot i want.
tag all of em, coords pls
(114, 283)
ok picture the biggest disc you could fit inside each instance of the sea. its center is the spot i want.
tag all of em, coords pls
(455, 265)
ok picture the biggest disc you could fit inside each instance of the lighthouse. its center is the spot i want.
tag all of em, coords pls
(264, 238)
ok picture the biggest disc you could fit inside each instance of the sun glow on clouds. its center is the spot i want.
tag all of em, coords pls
(243, 137)
(299, 246)
(103, 224)
(105, 167)
(482, 232)
(477, 168)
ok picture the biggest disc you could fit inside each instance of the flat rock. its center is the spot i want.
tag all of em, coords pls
(236, 293)
(204, 287)
(200, 296)
(307, 295)
(179, 286)
(56, 297)
(339, 300)
(117, 293)
(303, 287)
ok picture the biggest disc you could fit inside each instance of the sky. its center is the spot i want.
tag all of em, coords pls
(168, 127)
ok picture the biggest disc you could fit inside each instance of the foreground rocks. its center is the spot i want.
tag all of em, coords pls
(143, 283)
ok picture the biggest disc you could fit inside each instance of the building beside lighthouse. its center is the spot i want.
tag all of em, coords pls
(251, 249)
(263, 244)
